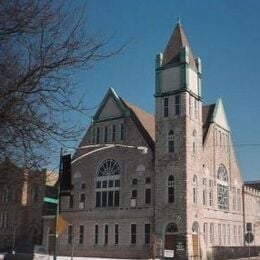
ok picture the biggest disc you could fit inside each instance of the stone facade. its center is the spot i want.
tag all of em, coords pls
(182, 198)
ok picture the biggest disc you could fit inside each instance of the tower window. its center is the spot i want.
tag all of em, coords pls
(194, 137)
(165, 107)
(171, 141)
(171, 189)
(177, 105)
(195, 189)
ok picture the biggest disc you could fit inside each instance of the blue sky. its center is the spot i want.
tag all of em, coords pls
(224, 34)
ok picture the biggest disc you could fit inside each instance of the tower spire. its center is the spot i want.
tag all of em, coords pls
(176, 43)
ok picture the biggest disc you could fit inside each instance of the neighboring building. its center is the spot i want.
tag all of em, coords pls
(185, 194)
(21, 205)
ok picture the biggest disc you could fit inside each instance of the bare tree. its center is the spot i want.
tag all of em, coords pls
(41, 45)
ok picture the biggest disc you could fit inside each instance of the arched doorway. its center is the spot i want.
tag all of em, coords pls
(170, 239)
(195, 241)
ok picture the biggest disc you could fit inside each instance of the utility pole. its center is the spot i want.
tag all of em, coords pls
(57, 209)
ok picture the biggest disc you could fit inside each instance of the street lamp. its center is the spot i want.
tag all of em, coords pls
(100, 147)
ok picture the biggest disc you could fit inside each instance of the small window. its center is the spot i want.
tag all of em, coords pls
(134, 181)
(98, 184)
(70, 230)
(134, 194)
(83, 186)
(165, 107)
(171, 189)
(106, 134)
(81, 234)
(116, 234)
(147, 233)
(98, 199)
(98, 135)
(195, 189)
(122, 132)
(110, 183)
(113, 132)
(171, 142)
(96, 234)
(194, 142)
(106, 235)
(147, 196)
(117, 183)
(82, 200)
(177, 105)
(133, 233)
(148, 180)
(117, 198)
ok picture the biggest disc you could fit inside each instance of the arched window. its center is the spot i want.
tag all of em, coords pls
(222, 187)
(195, 228)
(171, 141)
(108, 184)
(171, 228)
(171, 189)
(195, 189)
(194, 145)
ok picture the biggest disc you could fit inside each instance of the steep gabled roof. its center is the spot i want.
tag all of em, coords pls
(207, 114)
(146, 119)
(177, 41)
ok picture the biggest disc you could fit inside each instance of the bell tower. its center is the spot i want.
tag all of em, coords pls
(178, 139)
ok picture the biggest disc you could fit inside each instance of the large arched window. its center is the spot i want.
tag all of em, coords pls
(108, 184)
(222, 187)
(195, 189)
(171, 189)
(194, 142)
(171, 147)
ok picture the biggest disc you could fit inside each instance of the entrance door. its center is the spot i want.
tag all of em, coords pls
(195, 245)
(170, 240)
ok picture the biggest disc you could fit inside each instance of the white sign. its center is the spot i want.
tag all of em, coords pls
(168, 253)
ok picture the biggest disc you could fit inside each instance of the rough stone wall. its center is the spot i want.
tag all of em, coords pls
(85, 171)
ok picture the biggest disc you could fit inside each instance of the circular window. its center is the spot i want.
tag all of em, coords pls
(108, 167)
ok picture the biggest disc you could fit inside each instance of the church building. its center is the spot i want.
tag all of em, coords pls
(163, 185)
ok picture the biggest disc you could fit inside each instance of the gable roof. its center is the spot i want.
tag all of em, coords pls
(146, 119)
(207, 114)
(177, 41)
(110, 94)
